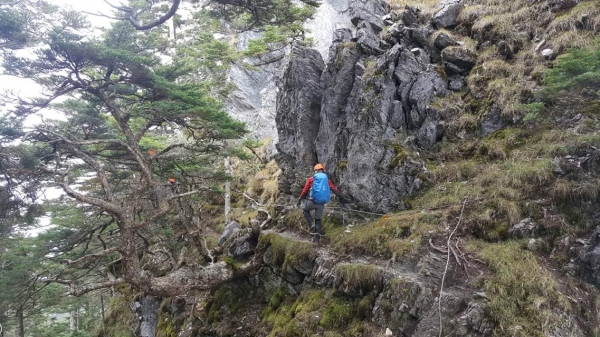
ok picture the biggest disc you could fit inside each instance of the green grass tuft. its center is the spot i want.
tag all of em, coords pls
(523, 294)
(359, 276)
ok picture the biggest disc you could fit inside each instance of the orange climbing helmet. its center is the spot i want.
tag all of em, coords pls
(319, 166)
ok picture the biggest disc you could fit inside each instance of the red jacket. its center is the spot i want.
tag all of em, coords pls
(309, 183)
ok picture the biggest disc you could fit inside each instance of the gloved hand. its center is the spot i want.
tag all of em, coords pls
(298, 203)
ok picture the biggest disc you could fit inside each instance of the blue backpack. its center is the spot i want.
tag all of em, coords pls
(320, 193)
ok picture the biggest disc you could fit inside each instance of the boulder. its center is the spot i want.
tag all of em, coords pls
(447, 16)
(368, 40)
(342, 35)
(428, 84)
(492, 121)
(420, 37)
(231, 228)
(398, 118)
(387, 63)
(456, 82)
(241, 247)
(548, 54)
(292, 275)
(474, 320)
(410, 16)
(368, 11)
(526, 228)
(458, 60)
(443, 40)
(396, 29)
(430, 132)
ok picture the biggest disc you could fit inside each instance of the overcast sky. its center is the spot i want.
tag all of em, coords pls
(91, 6)
(29, 88)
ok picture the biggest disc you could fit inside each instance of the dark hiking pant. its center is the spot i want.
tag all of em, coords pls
(318, 208)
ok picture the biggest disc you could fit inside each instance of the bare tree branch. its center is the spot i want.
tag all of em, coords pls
(89, 256)
(109, 206)
(90, 160)
(130, 15)
(90, 288)
(160, 21)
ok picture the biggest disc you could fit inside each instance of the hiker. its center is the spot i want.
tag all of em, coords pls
(320, 187)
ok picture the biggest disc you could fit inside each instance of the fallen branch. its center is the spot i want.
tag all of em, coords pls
(455, 255)
(253, 200)
(447, 263)
(441, 250)
(264, 223)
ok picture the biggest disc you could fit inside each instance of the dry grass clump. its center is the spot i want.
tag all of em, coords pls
(523, 294)
(576, 28)
(359, 276)
(585, 16)
(427, 7)
(573, 39)
(507, 170)
(389, 237)
(585, 189)
(264, 185)
(511, 82)
(504, 82)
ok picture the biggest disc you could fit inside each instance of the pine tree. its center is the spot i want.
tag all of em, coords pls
(124, 103)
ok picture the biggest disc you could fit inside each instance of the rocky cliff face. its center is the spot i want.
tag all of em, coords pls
(253, 100)
(375, 101)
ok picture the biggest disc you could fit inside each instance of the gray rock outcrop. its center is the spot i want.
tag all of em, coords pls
(589, 259)
(368, 11)
(231, 228)
(298, 116)
(526, 228)
(370, 110)
(447, 16)
(458, 60)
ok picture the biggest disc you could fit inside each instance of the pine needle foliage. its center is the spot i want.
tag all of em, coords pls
(575, 70)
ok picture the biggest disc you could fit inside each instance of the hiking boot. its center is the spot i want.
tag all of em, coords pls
(316, 239)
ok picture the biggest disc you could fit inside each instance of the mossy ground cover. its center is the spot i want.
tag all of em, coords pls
(509, 175)
(120, 321)
(315, 313)
(286, 252)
